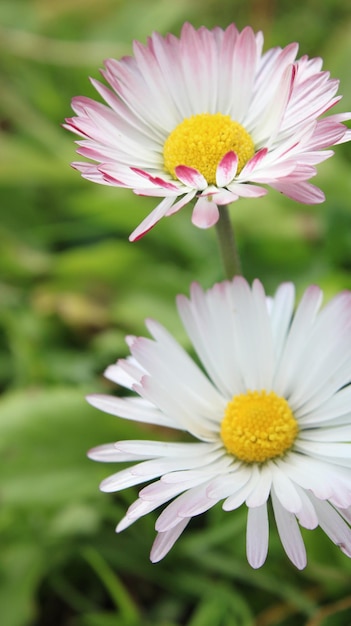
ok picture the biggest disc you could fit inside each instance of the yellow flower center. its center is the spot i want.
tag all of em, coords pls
(258, 426)
(201, 141)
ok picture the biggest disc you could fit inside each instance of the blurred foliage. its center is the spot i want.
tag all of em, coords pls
(71, 288)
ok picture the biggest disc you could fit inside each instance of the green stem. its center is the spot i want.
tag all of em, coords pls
(226, 239)
(123, 601)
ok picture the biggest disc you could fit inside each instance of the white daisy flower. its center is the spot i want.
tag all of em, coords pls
(208, 117)
(270, 415)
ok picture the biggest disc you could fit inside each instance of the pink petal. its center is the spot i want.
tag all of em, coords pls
(277, 170)
(275, 112)
(244, 60)
(205, 213)
(152, 219)
(327, 133)
(301, 192)
(346, 137)
(190, 177)
(156, 192)
(245, 190)
(226, 169)
(254, 162)
(89, 171)
(224, 197)
(125, 176)
(156, 180)
(198, 58)
(182, 202)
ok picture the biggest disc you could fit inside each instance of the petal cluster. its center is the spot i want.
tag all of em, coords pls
(244, 341)
(278, 100)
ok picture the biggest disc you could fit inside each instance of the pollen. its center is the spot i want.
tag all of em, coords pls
(201, 141)
(258, 426)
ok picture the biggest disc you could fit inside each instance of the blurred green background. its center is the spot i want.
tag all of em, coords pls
(71, 288)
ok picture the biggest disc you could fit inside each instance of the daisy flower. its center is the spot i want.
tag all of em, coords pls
(269, 414)
(208, 117)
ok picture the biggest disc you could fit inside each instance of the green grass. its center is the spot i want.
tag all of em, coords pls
(71, 288)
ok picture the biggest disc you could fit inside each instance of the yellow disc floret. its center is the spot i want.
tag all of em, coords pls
(258, 426)
(201, 141)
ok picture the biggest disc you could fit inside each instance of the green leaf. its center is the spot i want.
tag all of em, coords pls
(44, 437)
(20, 571)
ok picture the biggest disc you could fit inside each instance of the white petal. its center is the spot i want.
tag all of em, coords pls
(229, 484)
(138, 509)
(327, 435)
(209, 323)
(330, 411)
(152, 497)
(193, 502)
(323, 477)
(263, 338)
(252, 334)
(125, 372)
(345, 513)
(238, 497)
(285, 491)
(262, 488)
(257, 534)
(177, 409)
(181, 367)
(165, 541)
(338, 450)
(307, 515)
(311, 474)
(281, 314)
(325, 359)
(132, 409)
(333, 525)
(148, 470)
(212, 467)
(107, 453)
(295, 343)
(144, 449)
(289, 534)
(163, 491)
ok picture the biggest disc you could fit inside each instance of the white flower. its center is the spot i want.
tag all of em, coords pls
(208, 117)
(270, 416)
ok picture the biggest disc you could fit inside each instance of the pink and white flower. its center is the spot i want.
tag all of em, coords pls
(137, 139)
(269, 413)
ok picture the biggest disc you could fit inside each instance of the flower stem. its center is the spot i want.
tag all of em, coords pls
(226, 239)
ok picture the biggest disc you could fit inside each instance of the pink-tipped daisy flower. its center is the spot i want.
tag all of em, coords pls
(269, 413)
(208, 117)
